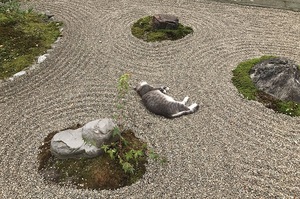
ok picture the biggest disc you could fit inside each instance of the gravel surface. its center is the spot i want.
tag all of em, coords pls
(230, 148)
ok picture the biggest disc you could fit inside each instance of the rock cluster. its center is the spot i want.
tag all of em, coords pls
(83, 142)
(278, 77)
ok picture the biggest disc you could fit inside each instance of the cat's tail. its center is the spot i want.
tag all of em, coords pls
(192, 109)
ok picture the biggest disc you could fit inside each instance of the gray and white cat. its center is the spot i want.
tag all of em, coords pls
(156, 101)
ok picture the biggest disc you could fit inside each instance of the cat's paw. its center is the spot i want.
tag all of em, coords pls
(185, 100)
(194, 107)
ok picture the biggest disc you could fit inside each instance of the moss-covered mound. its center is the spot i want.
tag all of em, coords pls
(103, 172)
(142, 29)
(241, 79)
(24, 35)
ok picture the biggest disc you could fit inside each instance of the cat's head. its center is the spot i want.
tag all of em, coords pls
(142, 88)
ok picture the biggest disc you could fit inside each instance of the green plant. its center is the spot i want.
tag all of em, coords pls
(156, 157)
(126, 155)
(122, 150)
(117, 150)
(242, 80)
(123, 87)
(142, 29)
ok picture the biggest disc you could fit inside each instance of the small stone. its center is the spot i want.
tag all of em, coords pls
(19, 73)
(42, 58)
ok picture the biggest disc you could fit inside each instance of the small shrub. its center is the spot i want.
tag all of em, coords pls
(128, 159)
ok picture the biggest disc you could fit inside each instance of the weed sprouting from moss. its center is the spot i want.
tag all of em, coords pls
(123, 87)
(128, 159)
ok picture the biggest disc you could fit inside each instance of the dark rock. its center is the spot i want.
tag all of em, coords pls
(163, 21)
(278, 77)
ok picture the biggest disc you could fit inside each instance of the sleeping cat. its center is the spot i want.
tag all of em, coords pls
(156, 101)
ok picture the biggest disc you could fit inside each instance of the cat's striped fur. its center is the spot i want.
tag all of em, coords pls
(157, 101)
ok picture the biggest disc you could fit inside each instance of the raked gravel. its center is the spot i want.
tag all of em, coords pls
(230, 148)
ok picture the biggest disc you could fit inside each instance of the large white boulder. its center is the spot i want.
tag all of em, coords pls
(83, 142)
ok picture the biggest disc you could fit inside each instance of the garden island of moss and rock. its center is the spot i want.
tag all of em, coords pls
(273, 81)
(103, 154)
(160, 27)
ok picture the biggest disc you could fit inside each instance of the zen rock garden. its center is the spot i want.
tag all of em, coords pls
(89, 156)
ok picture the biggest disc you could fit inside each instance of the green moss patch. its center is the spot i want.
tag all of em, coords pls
(242, 81)
(142, 29)
(24, 35)
(101, 172)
